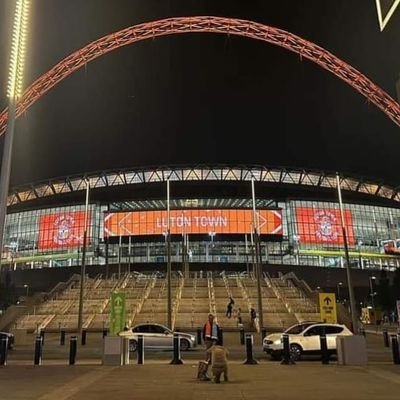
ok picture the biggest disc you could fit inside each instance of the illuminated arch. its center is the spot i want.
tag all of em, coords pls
(178, 25)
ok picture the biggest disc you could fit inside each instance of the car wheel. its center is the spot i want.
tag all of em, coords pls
(184, 345)
(295, 352)
(132, 345)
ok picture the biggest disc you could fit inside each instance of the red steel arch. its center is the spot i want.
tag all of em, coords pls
(229, 26)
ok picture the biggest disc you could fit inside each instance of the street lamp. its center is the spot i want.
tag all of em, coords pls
(27, 290)
(338, 286)
(371, 290)
(14, 92)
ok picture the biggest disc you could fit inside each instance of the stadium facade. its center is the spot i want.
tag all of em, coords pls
(211, 218)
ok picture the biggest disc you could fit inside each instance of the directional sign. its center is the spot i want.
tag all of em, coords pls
(327, 307)
(117, 320)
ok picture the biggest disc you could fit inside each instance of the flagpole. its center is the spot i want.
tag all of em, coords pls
(169, 308)
(346, 251)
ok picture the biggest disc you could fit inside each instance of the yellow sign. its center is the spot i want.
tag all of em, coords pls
(327, 307)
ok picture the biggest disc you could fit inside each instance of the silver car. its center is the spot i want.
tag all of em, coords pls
(157, 336)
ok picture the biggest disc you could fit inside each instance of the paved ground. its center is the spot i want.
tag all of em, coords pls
(87, 380)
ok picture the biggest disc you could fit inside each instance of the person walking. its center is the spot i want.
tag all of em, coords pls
(253, 316)
(229, 307)
(219, 362)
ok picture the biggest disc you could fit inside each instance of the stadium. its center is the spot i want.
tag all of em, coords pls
(227, 212)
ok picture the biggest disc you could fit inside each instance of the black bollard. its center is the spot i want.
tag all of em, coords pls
(324, 348)
(72, 350)
(395, 350)
(177, 351)
(286, 357)
(42, 336)
(385, 338)
(220, 337)
(38, 350)
(83, 338)
(199, 333)
(140, 350)
(104, 332)
(263, 333)
(249, 350)
(62, 337)
(3, 351)
(241, 335)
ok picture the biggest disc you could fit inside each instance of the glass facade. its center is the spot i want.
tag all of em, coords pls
(311, 234)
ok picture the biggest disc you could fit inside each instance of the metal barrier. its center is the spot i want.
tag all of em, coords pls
(286, 356)
(140, 350)
(72, 350)
(38, 350)
(249, 350)
(177, 351)
(3, 351)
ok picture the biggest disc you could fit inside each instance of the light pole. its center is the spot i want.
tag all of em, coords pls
(83, 264)
(256, 226)
(371, 289)
(212, 234)
(169, 294)
(14, 92)
(346, 251)
(27, 290)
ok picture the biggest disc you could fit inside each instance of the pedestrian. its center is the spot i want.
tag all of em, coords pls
(211, 332)
(229, 310)
(219, 362)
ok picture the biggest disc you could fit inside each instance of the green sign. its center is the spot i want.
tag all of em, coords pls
(117, 321)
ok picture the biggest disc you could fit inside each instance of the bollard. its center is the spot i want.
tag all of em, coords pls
(3, 351)
(199, 333)
(72, 350)
(324, 348)
(42, 336)
(220, 337)
(83, 338)
(286, 358)
(62, 337)
(140, 350)
(38, 350)
(395, 350)
(241, 335)
(177, 351)
(249, 350)
(104, 332)
(385, 338)
(263, 333)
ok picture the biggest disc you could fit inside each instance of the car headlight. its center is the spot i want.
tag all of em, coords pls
(278, 341)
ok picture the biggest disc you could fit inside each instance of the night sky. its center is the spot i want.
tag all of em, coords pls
(205, 98)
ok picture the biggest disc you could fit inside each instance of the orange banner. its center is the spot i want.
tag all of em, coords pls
(323, 225)
(194, 221)
(62, 230)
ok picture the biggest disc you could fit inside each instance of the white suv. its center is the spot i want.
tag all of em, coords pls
(304, 339)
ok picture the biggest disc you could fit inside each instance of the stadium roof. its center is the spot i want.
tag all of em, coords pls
(202, 99)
